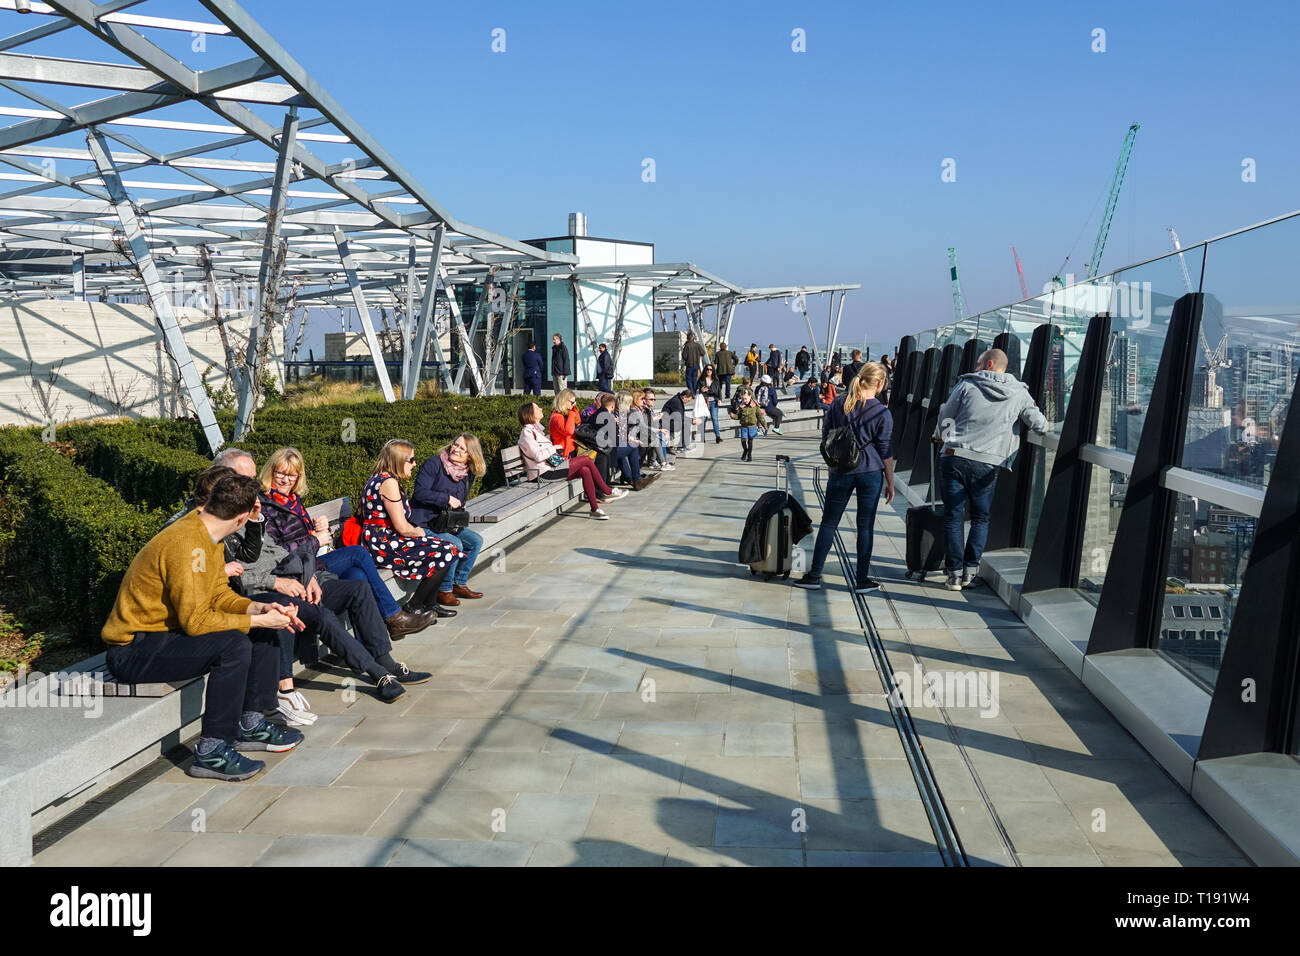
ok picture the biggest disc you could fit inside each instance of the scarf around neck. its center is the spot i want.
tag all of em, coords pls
(454, 471)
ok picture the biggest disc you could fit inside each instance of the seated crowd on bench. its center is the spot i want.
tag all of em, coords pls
(243, 580)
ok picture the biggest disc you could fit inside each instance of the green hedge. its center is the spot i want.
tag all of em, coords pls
(143, 471)
(72, 535)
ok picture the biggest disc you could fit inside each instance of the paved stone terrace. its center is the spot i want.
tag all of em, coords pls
(536, 744)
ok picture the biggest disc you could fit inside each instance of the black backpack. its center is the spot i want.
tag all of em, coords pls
(840, 447)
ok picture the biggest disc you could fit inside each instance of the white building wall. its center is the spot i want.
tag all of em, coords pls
(67, 361)
(636, 359)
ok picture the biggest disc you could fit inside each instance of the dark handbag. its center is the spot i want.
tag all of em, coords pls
(585, 434)
(449, 521)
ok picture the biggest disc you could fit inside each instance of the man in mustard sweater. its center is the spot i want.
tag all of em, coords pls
(176, 617)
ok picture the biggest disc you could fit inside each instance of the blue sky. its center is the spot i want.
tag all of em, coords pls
(777, 167)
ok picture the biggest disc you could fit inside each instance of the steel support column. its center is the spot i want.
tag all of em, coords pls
(414, 350)
(468, 359)
(363, 313)
(618, 322)
(267, 276)
(496, 346)
(161, 304)
(79, 278)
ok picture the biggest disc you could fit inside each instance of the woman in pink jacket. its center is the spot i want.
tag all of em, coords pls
(536, 447)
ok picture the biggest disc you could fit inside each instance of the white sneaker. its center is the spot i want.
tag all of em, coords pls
(954, 581)
(969, 579)
(616, 494)
(293, 708)
(600, 515)
(668, 467)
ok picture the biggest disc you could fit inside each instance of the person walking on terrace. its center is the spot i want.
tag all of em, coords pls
(865, 422)
(693, 356)
(175, 617)
(978, 432)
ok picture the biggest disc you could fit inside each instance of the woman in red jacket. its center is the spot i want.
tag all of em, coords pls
(564, 419)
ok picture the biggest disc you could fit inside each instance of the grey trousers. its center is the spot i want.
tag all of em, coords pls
(561, 382)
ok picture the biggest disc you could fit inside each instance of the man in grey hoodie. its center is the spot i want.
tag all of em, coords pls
(979, 431)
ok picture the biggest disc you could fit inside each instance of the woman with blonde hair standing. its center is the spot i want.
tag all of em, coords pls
(393, 540)
(857, 430)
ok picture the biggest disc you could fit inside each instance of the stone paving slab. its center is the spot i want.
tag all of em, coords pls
(627, 695)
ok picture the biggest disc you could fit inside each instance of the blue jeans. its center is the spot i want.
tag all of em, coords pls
(960, 481)
(628, 459)
(355, 564)
(602, 383)
(839, 488)
(692, 377)
(713, 413)
(469, 544)
(726, 383)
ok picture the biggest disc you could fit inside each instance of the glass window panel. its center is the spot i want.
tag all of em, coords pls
(1040, 473)
(1208, 552)
(1106, 490)
(1142, 302)
(1246, 366)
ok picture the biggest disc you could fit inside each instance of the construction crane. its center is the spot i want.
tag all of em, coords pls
(958, 304)
(1024, 290)
(1182, 260)
(1094, 263)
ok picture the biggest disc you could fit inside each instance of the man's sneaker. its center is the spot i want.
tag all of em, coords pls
(969, 580)
(388, 689)
(866, 586)
(954, 581)
(668, 467)
(293, 708)
(599, 514)
(809, 582)
(268, 736)
(224, 763)
(616, 494)
(404, 675)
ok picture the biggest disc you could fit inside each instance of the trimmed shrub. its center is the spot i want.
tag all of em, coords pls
(142, 471)
(73, 536)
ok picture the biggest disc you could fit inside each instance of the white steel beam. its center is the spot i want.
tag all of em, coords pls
(162, 307)
(618, 323)
(467, 357)
(363, 313)
(267, 279)
(415, 349)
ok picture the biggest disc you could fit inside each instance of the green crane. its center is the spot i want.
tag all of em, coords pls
(958, 304)
(1094, 263)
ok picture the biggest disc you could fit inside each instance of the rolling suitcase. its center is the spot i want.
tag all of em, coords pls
(780, 546)
(926, 547)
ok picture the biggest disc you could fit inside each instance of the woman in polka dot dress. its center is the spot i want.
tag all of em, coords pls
(390, 537)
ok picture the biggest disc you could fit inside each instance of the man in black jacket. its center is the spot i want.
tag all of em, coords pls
(810, 395)
(851, 370)
(560, 370)
(802, 361)
(774, 362)
(676, 419)
(604, 369)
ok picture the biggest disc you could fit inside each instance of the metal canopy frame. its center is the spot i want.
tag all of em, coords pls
(243, 179)
(194, 119)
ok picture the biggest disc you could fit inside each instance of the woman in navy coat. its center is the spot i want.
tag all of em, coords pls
(443, 483)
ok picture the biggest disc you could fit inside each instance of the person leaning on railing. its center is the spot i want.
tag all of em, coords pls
(442, 485)
(284, 484)
(543, 458)
(175, 618)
